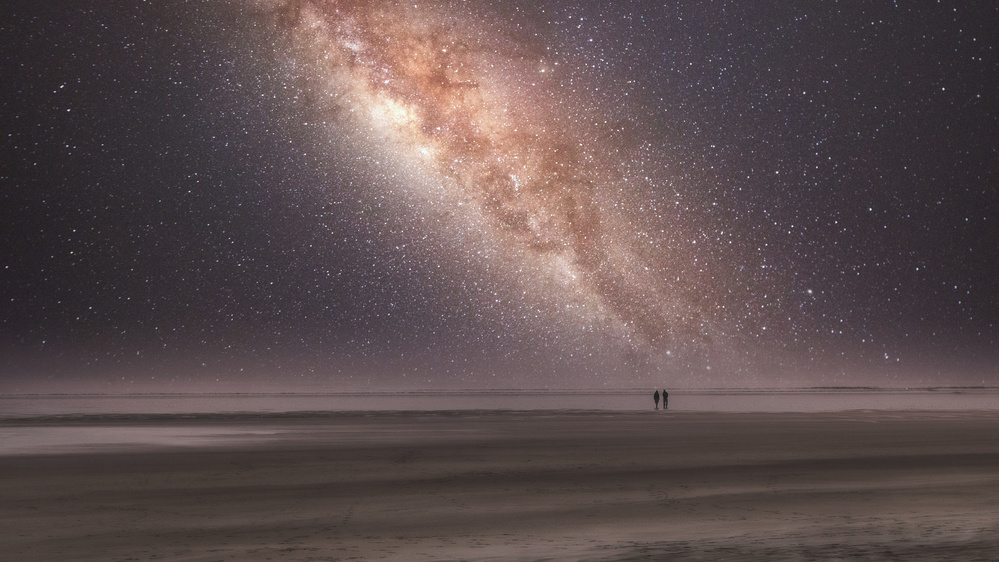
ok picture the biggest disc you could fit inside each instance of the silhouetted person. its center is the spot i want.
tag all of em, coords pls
(665, 398)
(656, 398)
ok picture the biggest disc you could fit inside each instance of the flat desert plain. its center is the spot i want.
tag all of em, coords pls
(502, 485)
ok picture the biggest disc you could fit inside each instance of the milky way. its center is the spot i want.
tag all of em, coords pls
(513, 193)
(480, 103)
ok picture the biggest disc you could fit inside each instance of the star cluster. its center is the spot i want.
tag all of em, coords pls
(504, 194)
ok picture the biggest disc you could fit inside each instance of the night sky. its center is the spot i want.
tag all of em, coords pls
(248, 195)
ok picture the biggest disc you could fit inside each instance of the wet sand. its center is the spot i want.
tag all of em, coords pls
(486, 485)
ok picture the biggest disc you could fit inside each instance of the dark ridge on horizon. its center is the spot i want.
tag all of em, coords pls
(513, 391)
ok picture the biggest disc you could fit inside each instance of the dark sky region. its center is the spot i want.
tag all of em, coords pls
(288, 195)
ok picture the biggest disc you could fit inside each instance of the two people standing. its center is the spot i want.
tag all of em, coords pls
(655, 397)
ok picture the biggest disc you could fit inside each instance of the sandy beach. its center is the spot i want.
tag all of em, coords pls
(502, 485)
